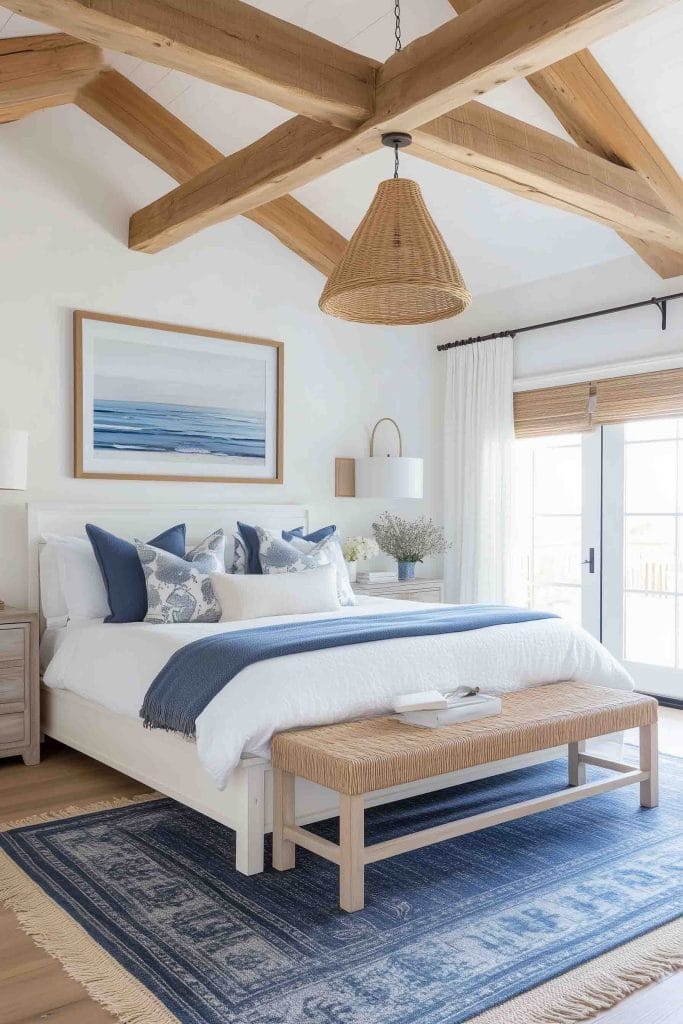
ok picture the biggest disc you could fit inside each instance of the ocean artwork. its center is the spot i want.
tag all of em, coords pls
(155, 402)
(184, 429)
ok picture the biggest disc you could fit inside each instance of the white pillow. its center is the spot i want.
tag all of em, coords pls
(295, 593)
(82, 588)
(52, 600)
(278, 555)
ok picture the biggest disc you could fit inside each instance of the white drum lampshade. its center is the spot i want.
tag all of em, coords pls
(13, 460)
(388, 476)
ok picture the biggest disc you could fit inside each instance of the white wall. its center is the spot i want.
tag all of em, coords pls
(67, 188)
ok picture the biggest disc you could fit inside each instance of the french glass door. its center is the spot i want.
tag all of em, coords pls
(643, 551)
(598, 539)
(556, 554)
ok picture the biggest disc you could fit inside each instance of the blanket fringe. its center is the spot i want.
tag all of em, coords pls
(597, 985)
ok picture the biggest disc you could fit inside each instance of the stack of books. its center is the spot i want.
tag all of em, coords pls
(383, 576)
(432, 709)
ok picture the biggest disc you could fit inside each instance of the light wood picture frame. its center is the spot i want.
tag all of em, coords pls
(158, 401)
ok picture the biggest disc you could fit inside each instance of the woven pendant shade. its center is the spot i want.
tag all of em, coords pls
(397, 268)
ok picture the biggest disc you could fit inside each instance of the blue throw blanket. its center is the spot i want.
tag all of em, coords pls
(193, 676)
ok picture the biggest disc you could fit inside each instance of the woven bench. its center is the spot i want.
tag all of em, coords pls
(355, 758)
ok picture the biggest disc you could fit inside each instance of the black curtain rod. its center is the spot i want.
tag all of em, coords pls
(660, 302)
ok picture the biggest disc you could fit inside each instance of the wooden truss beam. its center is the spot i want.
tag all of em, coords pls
(480, 141)
(230, 43)
(474, 139)
(146, 126)
(43, 71)
(497, 41)
(592, 110)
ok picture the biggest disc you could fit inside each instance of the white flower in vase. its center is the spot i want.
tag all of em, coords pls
(357, 549)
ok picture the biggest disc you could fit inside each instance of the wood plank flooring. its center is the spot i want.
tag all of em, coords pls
(33, 986)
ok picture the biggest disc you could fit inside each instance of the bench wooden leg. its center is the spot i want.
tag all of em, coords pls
(649, 762)
(284, 851)
(352, 850)
(577, 769)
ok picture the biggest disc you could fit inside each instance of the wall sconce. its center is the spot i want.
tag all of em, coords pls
(379, 476)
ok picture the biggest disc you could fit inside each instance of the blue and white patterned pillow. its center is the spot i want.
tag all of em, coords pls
(239, 556)
(180, 589)
(297, 555)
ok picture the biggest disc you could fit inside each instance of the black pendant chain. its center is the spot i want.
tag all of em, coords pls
(397, 49)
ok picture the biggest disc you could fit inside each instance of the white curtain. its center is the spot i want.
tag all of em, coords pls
(479, 431)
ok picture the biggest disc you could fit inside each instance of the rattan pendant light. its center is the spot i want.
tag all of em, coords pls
(397, 269)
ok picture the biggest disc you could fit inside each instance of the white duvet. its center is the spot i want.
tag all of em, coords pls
(115, 664)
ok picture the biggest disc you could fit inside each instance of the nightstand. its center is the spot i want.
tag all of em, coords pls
(19, 694)
(403, 590)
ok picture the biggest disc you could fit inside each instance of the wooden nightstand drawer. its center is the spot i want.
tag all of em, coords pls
(428, 596)
(420, 589)
(12, 729)
(12, 681)
(12, 643)
(19, 693)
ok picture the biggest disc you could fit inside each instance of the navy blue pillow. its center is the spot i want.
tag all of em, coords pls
(318, 535)
(251, 542)
(122, 572)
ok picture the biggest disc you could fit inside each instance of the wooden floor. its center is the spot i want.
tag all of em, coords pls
(33, 986)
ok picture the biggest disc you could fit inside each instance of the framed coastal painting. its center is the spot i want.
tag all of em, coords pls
(155, 401)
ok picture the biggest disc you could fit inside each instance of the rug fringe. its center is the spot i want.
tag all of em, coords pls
(73, 810)
(55, 931)
(51, 928)
(597, 985)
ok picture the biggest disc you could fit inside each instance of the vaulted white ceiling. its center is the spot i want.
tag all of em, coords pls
(499, 240)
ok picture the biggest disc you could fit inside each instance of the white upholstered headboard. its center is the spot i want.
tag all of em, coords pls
(68, 519)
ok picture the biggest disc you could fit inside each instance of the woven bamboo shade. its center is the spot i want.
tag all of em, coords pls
(641, 396)
(397, 268)
(566, 409)
(560, 410)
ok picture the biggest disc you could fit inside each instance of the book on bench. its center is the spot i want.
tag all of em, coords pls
(432, 709)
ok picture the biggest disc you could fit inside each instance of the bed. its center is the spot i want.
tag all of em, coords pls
(95, 676)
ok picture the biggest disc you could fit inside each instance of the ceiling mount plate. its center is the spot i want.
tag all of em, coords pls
(394, 139)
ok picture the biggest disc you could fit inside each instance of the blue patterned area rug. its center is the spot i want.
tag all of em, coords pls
(448, 931)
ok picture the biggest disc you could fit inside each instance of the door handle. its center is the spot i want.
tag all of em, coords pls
(590, 561)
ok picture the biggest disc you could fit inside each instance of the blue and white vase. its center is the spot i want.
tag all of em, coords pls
(406, 570)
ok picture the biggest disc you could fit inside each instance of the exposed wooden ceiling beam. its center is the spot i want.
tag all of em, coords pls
(482, 142)
(230, 43)
(287, 157)
(43, 71)
(146, 126)
(494, 42)
(593, 112)
(475, 140)
(497, 41)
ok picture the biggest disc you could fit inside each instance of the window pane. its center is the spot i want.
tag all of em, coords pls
(650, 553)
(650, 476)
(650, 430)
(564, 601)
(650, 629)
(557, 480)
(557, 549)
